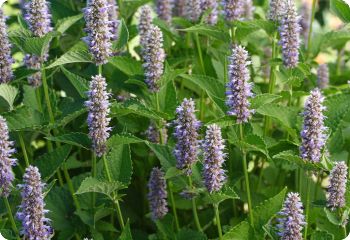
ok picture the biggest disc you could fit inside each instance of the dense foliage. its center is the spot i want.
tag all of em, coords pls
(174, 119)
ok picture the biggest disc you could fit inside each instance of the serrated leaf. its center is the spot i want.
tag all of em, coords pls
(242, 231)
(266, 210)
(127, 65)
(341, 9)
(123, 35)
(224, 194)
(65, 23)
(321, 235)
(255, 143)
(8, 93)
(262, 99)
(247, 27)
(126, 233)
(164, 154)
(295, 159)
(76, 139)
(332, 217)
(91, 184)
(23, 72)
(120, 164)
(24, 118)
(185, 234)
(210, 31)
(120, 139)
(78, 53)
(51, 161)
(80, 84)
(225, 121)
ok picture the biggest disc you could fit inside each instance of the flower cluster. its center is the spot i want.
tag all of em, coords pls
(113, 21)
(157, 195)
(289, 30)
(276, 10)
(32, 213)
(322, 76)
(145, 23)
(34, 62)
(212, 7)
(193, 10)
(312, 134)
(239, 89)
(154, 57)
(337, 186)
(233, 9)
(180, 8)
(153, 133)
(6, 160)
(291, 221)
(164, 10)
(186, 133)
(98, 30)
(214, 157)
(248, 10)
(6, 60)
(38, 17)
(305, 13)
(98, 120)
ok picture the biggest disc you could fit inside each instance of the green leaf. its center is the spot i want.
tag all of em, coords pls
(242, 231)
(210, 31)
(262, 99)
(50, 162)
(167, 97)
(123, 34)
(78, 53)
(186, 234)
(266, 210)
(164, 154)
(23, 72)
(337, 107)
(127, 65)
(91, 184)
(332, 217)
(126, 233)
(245, 28)
(120, 164)
(65, 23)
(225, 121)
(24, 118)
(80, 84)
(321, 235)
(8, 94)
(76, 139)
(295, 159)
(120, 139)
(341, 9)
(218, 197)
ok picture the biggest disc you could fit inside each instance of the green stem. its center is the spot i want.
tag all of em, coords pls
(24, 151)
(38, 99)
(100, 70)
(338, 63)
(161, 137)
(308, 193)
(70, 186)
(12, 220)
(218, 224)
(173, 205)
(47, 96)
(117, 206)
(93, 174)
(233, 34)
(246, 176)
(194, 207)
(313, 9)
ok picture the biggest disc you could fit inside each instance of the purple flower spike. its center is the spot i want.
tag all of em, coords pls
(154, 57)
(337, 186)
(6, 60)
(305, 13)
(233, 9)
(180, 6)
(248, 10)
(6, 160)
(214, 157)
(98, 120)
(38, 17)
(157, 195)
(212, 7)
(153, 133)
(34, 62)
(35, 225)
(313, 132)
(98, 30)
(193, 10)
(186, 133)
(277, 9)
(145, 23)
(164, 10)
(322, 76)
(291, 221)
(290, 33)
(113, 16)
(239, 89)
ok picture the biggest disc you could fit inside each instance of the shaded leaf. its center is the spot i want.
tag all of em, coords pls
(76, 139)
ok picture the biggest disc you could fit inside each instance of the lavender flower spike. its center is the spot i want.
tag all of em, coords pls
(157, 195)
(38, 17)
(98, 120)
(312, 134)
(34, 62)
(153, 133)
(323, 76)
(277, 9)
(6, 160)
(290, 33)
(35, 225)
(180, 8)
(239, 89)
(165, 9)
(337, 187)
(248, 10)
(291, 221)
(193, 10)
(145, 23)
(305, 13)
(154, 57)
(186, 133)
(98, 30)
(113, 21)
(212, 7)
(233, 9)
(214, 157)
(6, 60)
